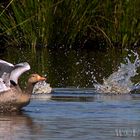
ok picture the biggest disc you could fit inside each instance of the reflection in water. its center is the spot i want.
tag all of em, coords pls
(96, 119)
(100, 118)
(68, 68)
(73, 94)
(15, 125)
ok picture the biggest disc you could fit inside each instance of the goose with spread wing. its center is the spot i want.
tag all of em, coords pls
(12, 97)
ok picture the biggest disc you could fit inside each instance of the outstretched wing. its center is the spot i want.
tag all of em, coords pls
(18, 70)
(12, 72)
(5, 67)
(5, 71)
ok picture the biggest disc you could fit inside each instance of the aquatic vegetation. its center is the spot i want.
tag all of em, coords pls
(68, 22)
(120, 80)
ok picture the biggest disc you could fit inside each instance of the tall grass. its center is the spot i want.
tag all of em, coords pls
(72, 18)
(120, 22)
(27, 22)
(63, 22)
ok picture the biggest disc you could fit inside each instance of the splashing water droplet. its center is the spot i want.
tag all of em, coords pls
(120, 81)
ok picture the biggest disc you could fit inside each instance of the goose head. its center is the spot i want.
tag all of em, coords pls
(34, 78)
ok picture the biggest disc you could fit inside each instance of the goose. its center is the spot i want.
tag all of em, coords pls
(12, 97)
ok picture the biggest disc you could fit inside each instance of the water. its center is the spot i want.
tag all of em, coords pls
(75, 110)
(103, 117)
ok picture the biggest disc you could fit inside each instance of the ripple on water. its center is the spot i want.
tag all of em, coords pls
(104, 117)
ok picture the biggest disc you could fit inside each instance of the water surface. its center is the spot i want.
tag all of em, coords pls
(101, 117)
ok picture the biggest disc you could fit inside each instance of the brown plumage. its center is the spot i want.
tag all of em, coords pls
(14, 98)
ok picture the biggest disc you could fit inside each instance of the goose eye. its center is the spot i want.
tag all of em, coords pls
(33, 76)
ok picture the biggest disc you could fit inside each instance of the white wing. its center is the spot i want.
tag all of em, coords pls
(5, 67)
(12, 72)
(18, 70)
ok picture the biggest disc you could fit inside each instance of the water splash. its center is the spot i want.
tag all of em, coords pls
(120, 81)
(42, 87)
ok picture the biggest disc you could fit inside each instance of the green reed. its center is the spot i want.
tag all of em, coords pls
(27, 22)
(64, 22)
(124, 28)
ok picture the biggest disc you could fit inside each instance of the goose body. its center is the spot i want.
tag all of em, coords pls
(12, 97)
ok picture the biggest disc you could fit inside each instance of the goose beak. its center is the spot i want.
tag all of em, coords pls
(40, 78)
